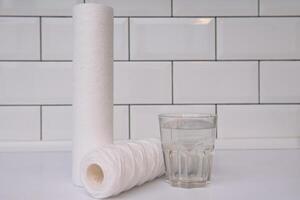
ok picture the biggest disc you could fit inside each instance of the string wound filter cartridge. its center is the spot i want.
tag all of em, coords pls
(93, 81)
(112, 169)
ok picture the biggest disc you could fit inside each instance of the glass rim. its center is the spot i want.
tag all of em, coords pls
(187, 115)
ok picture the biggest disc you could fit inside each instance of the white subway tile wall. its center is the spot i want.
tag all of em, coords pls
(19, 123)
(19, 38)
(37, 7)
(121, 39)
(272, 121)
(172, 38)
(236, 58)
(36, 82)
(279, 7)
(215, 82)
(215, 7)
(138, 7)
(258, 38)
(142, 82)
(57, 123)
(280, 82)
(57, 38)
(121, 122)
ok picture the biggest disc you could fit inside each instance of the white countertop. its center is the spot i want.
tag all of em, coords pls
(241, 175)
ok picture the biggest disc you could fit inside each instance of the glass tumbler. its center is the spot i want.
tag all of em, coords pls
(188, 145)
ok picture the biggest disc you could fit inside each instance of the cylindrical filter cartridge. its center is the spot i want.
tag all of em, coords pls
(112, 169)
(93, 81)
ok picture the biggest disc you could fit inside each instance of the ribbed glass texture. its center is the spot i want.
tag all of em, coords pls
(188, 145)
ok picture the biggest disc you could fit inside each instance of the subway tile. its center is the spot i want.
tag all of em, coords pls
(19, 38)
(19, 123)
(215, 7)
(280, 82)
(258, 121)
(60, 31)
(142, 82)
(138, 7)
(37, 7)
(172, 38)
(215, 82)
(57, 122)
(258, 38)
(57, 38)
(121, 39)
(36, 82)
(121, 123)
(258, 143)
(279, 7)
(144, 119)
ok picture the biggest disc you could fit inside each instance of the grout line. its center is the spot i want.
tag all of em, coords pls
(213, 16)
(29, 16)
(156, 104)
(56, 104)
(129, 122)
(36, 60)
(128, 38)
(204, 104)
(207, 60)
(216, 113)
(194, 16)
(258, 69)
(215, 108)
(232, 148)
(172, 81)
(56, 60)
(158, 60)
(41, 123)
(35, 105)
(172, 15)
(216, 57)
(258, 8)
(143, 60)
(40, 20)
(263, 138)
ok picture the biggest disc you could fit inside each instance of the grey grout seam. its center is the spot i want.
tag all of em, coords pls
(165, 16)
(216, 113)
(129, 123)
(216, 55)
(213, 16)
(128, 38)
(258, 8)
(182, 60)
(41, 46)
(172, 81)
(153, 104)
(41, 123)
(258, 79)
(203, 104)
(35, 105)
(172, 15)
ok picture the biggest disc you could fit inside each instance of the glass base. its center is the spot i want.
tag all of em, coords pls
(184, 184)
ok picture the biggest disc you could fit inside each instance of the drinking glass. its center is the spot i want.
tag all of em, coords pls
(188, 145)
